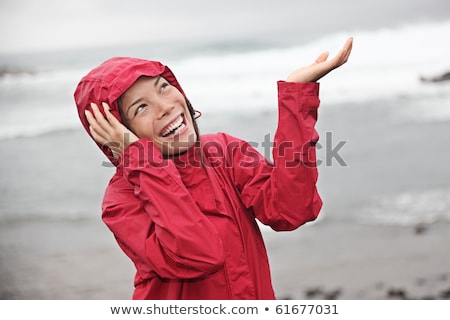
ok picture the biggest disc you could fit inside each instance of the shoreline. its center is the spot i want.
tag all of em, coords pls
(59, 260)
(53, 244)
(342, 260)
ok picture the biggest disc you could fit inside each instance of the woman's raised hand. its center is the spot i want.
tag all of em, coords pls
(322, 66)
(108, 130)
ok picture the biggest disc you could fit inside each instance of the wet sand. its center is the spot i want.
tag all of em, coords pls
(325, 260)
(53, 244)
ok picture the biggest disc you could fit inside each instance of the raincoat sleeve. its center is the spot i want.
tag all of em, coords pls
(283, 194)
(155, 220)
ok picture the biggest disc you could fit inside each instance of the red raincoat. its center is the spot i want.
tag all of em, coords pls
(189, 226)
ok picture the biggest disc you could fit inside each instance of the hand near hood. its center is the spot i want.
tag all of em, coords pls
(322, 66)
(109, 131)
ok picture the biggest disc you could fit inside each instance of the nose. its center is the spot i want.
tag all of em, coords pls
(165, 109)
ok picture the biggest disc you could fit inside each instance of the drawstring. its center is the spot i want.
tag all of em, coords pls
(197, 114)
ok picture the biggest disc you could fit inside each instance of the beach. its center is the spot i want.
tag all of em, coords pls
(342, 255)
(320, 262)
(383, 154)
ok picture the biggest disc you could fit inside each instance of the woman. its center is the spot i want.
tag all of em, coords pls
(183, 207)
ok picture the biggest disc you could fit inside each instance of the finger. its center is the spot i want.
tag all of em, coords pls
(98, 115)
(322, 57)
(119, 126)
(110, 117)
(343, 55)
(102, 121)
(347, 49)
(94, 123)
(108, 113)
(96, 136)
(89, 117)
(91, 120)
(348, 44)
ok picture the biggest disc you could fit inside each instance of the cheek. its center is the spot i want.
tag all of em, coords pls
(144, 128)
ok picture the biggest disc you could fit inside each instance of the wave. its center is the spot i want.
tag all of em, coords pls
(35, 131)
(386, 65)
(408, 208)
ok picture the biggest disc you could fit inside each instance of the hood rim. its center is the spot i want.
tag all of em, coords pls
(109, 81)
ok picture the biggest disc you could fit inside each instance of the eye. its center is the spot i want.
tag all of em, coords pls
(164, 86)
(139, 109)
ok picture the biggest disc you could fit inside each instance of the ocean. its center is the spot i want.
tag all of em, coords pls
(385, 135)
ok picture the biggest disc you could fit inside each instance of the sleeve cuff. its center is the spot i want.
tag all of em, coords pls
(305, 88)
(140, 154)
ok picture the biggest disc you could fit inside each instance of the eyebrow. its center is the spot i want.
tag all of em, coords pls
(140, 99)
(157, 81)
(134, 103)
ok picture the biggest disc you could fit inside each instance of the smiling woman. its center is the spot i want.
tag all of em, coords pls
(185, 207)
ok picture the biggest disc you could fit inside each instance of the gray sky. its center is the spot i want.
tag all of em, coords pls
(31, 25)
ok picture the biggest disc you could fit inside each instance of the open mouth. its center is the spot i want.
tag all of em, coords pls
(174, 128)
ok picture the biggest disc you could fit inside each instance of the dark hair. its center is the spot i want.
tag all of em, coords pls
(194, 118)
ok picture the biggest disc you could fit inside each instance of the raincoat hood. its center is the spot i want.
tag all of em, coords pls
(108, 81)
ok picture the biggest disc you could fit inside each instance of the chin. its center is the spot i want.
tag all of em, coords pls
(180, 148)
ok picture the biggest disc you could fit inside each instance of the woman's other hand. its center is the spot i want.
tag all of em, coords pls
(108, 130)
(322, 66)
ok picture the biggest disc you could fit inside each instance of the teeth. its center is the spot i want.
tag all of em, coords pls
(173, 126)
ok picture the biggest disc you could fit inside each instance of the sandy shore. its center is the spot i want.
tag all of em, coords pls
(62, 260)
(53, 244)
(326, 260)
(349, 261)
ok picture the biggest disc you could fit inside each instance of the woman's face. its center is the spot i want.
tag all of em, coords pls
(157, 110)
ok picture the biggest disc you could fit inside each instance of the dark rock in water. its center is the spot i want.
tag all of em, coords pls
(332, 295)
(286, 297)
(318, 293)
(313, 292)
(443, 77)
(443, 277)
(7, 70)
(397, 294)
(420, 229)
(445, 294)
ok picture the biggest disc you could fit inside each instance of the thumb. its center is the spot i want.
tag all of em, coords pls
(322, 57)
